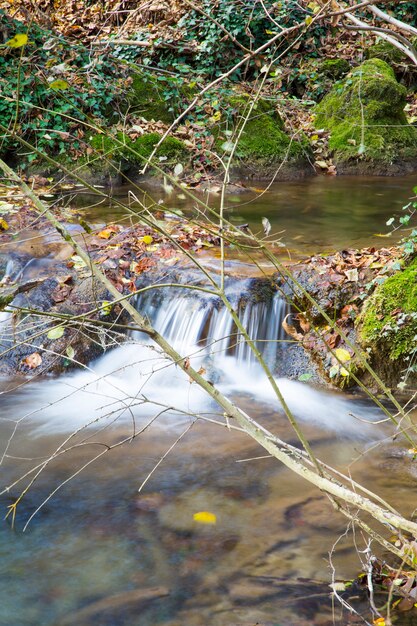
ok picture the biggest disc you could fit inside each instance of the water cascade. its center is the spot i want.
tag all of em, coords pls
(195, 319)
(137, 380)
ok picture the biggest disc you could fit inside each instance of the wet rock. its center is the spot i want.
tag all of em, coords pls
(25, 334)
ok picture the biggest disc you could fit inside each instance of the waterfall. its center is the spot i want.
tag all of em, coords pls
(186, 320)
(136, 380)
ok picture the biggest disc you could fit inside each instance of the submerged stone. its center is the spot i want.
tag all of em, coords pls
(365, 116)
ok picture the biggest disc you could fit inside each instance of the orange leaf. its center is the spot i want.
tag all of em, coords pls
(33, 360)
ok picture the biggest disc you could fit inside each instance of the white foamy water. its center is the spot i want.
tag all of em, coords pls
(136, 382)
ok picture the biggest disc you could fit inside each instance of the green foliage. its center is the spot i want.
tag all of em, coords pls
(215, 52)
(406, 11)
(36, 76)
(408, 243)
(365, 115)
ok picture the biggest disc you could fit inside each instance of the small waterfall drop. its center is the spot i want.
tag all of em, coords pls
(136, 381)
(186, 320)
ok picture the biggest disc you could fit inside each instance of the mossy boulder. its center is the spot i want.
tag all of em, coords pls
(158, 97)
(405, 71)
(387, 325)
(263, 145)
(146, 98)
(334, 68)
(386, 52)
(127, 152)
(365, 116)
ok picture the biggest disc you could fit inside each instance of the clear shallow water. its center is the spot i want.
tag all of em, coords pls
(97, 537)
(314, 215)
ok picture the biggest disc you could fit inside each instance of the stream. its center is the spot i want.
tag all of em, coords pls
(115, 541)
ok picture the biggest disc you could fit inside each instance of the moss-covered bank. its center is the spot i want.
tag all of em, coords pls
(365, 116)
(387, 325)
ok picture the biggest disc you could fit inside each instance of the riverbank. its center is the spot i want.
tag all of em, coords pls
(133, 112)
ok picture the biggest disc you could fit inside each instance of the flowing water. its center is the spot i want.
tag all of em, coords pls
(101, 552)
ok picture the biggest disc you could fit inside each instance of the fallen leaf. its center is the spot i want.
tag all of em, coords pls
(352, 275)
(342, 355)
(205, 517)
(33, 360)
(70, 352)
(56, 333)
(17, 41)
(291, 331)
(266, 225)
(59, 84)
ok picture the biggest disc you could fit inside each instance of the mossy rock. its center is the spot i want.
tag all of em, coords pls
(334, 68)
(405, 72)
(365, 116)
(136, 152)
(263, 142)
(386, 52)
(388, 322)
(156, 98)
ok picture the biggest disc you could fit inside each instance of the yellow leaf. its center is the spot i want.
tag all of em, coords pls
(204, 517)
(308, 20)
(17, 41)
(344, 372)
(342, 355)
(380, 621)
(59, 84)
(147, 239)
(3, 224)
(216, 117)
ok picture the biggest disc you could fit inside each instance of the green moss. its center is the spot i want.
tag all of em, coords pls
(388, 322)
(172, 148)
(263, 139)
(146, 99)
(134, 152)
(365, 115)
(334, 68)
(386, 52)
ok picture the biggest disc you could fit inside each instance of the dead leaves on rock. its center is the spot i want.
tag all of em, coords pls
(63, 289)
(125, 253)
